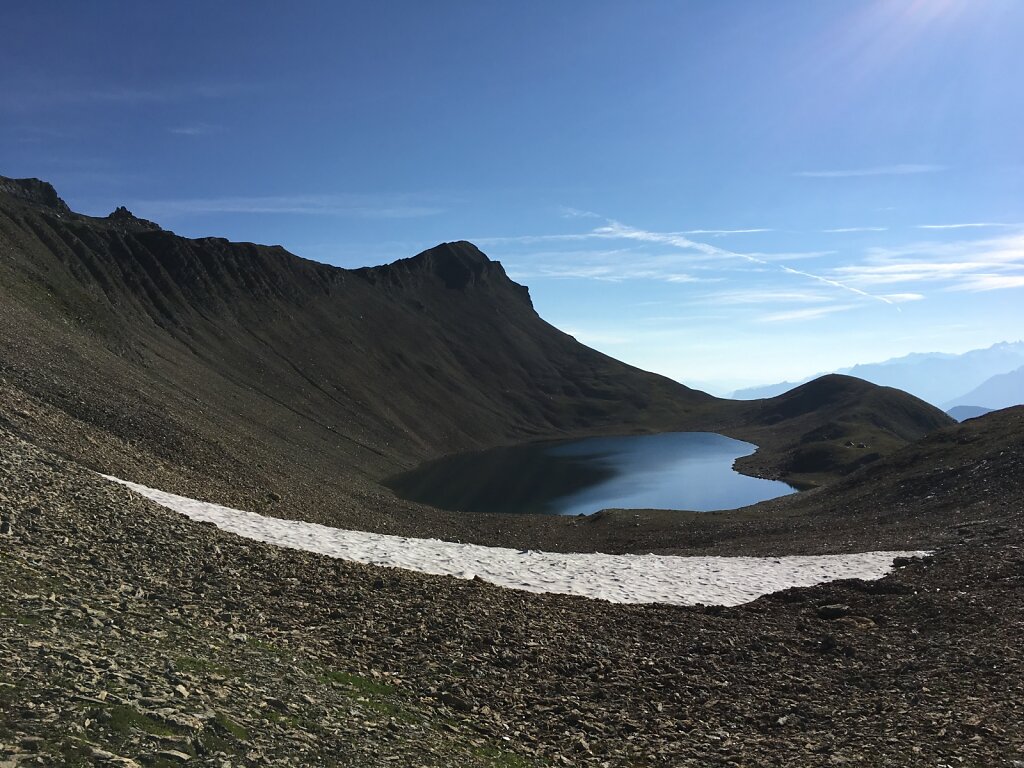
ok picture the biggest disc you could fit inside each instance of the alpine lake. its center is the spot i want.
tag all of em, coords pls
(670, 470)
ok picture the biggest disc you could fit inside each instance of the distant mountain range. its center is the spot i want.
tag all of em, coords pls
(965, 412)
(999, 391)
(990, 378)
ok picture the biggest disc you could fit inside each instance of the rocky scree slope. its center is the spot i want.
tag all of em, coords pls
(132, 636)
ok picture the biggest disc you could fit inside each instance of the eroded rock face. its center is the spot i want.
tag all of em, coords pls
(35, 191)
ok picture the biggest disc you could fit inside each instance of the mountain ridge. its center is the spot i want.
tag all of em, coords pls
(247, 375)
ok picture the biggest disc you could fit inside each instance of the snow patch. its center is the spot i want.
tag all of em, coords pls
(615, 578)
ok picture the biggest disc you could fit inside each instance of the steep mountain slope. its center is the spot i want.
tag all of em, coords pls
(250, 376)
(377, 366)
(1002, 391)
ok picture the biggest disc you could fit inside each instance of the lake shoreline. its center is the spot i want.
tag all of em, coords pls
(693, 471)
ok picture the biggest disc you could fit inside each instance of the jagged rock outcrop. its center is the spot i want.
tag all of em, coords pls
(34, 191)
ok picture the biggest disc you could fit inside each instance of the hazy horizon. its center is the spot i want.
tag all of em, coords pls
(727, 194)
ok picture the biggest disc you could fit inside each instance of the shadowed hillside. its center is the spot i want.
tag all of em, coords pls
(839, 423)
(243, 373)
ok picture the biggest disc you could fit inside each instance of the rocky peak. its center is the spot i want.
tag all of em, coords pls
(121, 214)
(128, 220)
(34, 191)
(458, 265)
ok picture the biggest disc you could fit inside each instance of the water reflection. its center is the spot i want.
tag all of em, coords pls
(673, 470)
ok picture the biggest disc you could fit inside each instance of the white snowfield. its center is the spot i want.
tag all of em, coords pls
(616, 578)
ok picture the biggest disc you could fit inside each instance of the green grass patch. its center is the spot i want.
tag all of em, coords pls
(123, 719)
(381, 698)
(263, 646)
(200, 666)
(8, 697)
(160, 762)
(229, 726)
(391, 709)
(361, 684)
(499, 758)
(222, 735)
(211, 743)
(74, 755)
(294, 720)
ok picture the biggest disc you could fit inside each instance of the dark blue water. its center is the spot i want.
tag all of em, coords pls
(672, 470)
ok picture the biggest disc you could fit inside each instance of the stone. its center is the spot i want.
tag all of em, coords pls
(456, 702)
(174, 755)
(834, 611)
(856, 622)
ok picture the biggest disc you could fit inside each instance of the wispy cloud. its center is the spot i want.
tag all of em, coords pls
(694, 255)
(902, 169)
(968, 265)
(567, 212)
(196, 129)
(361, 206)
(723, 231)
(755, 296)
(899, 272)
(601, 233)
(908, 272)
(676, 320)
(856, 229)
(989, 282)
(24, 96)
(683, 278)
(790, 255)
(680, 241)
(970, 225)
(608, 265)
(582, 272)
(535, 239)
(811, 313)
(901, 298)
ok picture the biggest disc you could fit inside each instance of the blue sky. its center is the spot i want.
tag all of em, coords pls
(728, 192)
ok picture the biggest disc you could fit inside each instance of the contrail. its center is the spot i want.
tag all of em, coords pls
(837, 284)
(616, 229)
